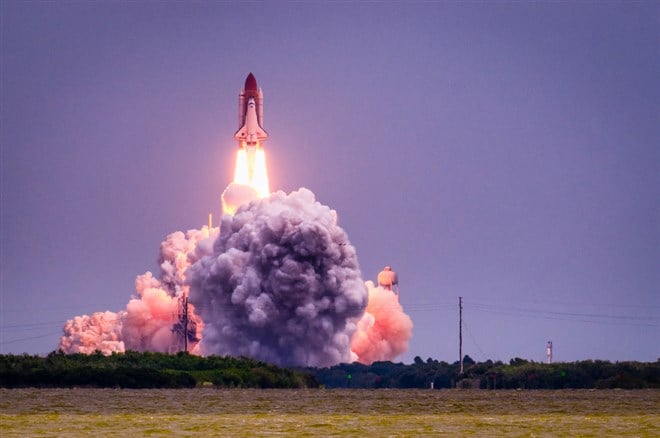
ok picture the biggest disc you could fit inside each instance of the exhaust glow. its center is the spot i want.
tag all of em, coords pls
(242, 173)
(251, 169)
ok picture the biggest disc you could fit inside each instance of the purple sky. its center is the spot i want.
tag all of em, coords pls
(503, 152)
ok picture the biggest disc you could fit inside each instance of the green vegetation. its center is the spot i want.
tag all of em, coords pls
(145, 370)
(158, 370)
(518, 373)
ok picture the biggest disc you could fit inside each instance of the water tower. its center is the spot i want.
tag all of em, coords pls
(388, 279)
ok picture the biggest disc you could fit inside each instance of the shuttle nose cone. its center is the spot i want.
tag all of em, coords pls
(250, 83)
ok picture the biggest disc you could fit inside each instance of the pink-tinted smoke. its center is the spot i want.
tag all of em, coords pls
(151, 315)
(147, 322)
(384, 330)
(88, 333)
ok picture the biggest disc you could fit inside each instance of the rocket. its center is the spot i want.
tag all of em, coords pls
(250, 134)
(251, 168)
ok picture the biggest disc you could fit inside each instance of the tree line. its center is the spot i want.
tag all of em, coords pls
(182, 370)
(518, 373)
(145, 370)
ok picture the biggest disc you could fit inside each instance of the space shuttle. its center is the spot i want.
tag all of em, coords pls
(250, 133)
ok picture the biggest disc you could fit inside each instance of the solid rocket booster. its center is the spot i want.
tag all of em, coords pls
(250, 134)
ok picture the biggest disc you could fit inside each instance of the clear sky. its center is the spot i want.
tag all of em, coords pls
(504, 152)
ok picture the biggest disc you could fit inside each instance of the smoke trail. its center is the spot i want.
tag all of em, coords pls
(87, 333)
(283, 284)
(384, 330)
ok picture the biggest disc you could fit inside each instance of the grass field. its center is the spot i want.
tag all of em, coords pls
(186, 412)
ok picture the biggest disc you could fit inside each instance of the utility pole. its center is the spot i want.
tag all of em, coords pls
(460, 331)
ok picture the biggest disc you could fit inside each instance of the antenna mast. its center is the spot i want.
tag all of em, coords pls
(184, 329)
(185, 323)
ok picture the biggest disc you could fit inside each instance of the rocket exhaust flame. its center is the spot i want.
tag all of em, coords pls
(260, 174)
(251, 170)
(242, 171)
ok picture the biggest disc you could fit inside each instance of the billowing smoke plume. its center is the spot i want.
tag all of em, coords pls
(147, 322)
(283, 284)
(384, 330)
(88, 333)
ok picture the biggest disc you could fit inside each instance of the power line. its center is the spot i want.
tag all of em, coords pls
(29, 326)
(563, 316)
(570, 303)
(31, 337)
(469, 332)
(551, 312)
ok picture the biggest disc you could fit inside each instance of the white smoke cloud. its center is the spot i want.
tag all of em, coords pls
(283, 284)
(88, 333)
